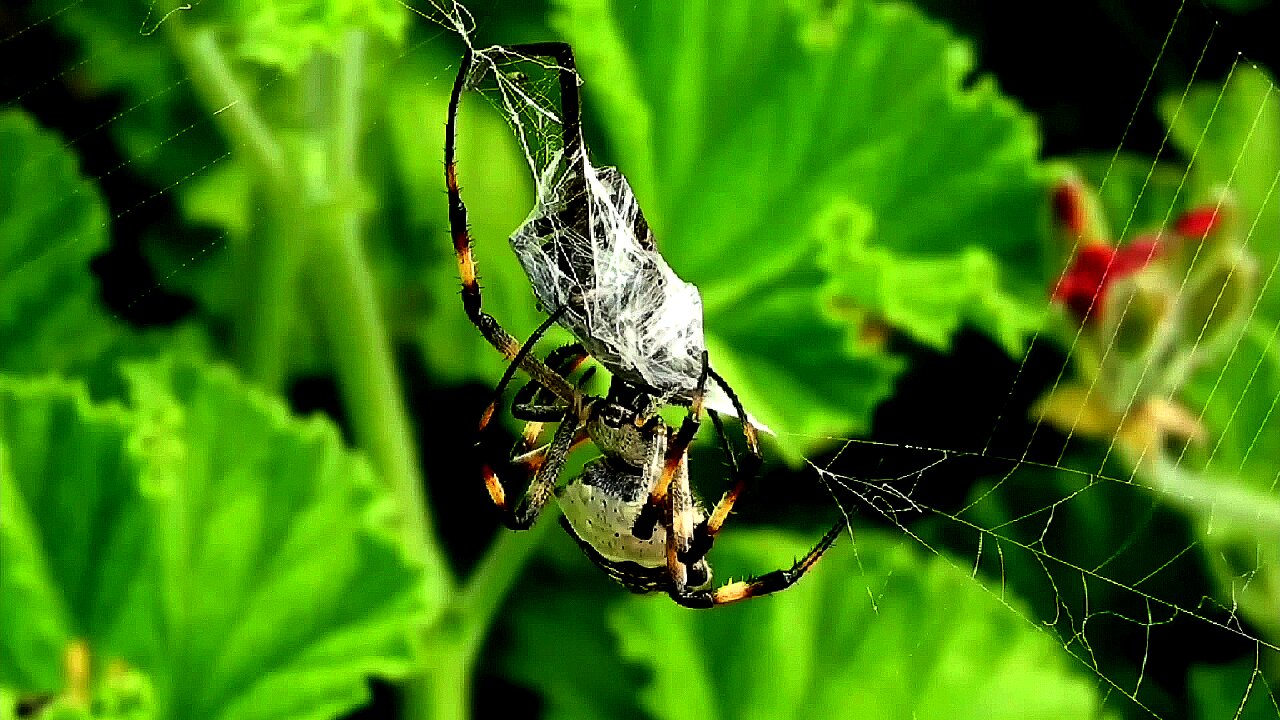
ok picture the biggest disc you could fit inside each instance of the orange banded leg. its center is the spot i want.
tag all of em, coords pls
(705, 534)
(533, 402)
(516, 362)
(530, 403)
(677, 520)
(545, 464)
(770, 582)
(677, 451)
(471, 300)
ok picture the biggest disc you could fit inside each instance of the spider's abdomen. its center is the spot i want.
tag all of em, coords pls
(602, 505)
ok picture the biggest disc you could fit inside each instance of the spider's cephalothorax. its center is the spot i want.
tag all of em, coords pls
(593, 264)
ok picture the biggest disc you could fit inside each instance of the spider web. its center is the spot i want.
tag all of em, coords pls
(586, 246)
(1021, 524)
(1023, 521)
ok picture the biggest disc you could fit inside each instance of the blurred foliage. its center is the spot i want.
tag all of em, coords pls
(847, 189)
(236, 597)
(812, 152)
(855, 640)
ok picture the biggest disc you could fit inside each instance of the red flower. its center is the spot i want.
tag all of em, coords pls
(1069, 206)
(1197, 222)
(1083, 287)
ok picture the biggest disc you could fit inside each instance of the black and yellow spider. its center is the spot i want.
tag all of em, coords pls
(594, 267)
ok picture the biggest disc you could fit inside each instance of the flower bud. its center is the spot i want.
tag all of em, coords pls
(1218, 300)
(1134, 335)
(1069, 207)
(1135, 312)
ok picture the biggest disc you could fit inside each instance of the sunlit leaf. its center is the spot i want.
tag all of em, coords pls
(853, 638)
(286, 589)
(53, 222)
(77, 531)
(739, 125)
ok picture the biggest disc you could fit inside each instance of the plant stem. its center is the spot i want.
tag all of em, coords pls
(1225, 499)
(359, 343)
(347, 299)
(233, 108)
(269, 264)
(497, 572)
(332, 223)
(454, 642)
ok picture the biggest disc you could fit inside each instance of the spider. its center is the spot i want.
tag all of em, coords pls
(632, 510)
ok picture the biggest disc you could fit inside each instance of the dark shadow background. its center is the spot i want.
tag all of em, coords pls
(1079, 67)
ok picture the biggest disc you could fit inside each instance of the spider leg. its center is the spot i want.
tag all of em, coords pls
(677, 450)
(471, 301)
(532, 402)
(678, 514)
(748, 429)
(516, 363)
(704, 535)
(770, 582)
(546, 464)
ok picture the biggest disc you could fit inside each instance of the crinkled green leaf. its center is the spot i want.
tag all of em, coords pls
(1236, 400)
(77, 531)
(858, 637)
(802, 375)
(239, 557)
(285, 587)
(884, 633)
(1238, 691)
(739, 124)
(286, 33)
(1234, 133)
(884, 285)
(52, 223)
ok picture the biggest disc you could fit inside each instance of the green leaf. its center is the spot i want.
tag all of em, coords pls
(883, 632)
(53, 222)
(740, 125)
(285, 588)
(885, 285)
(1236, 401)
(1238, 691)
(239, 557)
(77, 532)
(807, 380)
(1234, 134)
